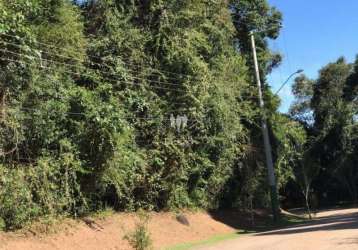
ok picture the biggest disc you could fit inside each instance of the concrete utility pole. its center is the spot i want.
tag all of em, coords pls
(267, 144)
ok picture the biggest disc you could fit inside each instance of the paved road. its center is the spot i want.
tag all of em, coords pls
(332, 230)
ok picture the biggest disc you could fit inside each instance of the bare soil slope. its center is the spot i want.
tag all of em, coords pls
(108, 233)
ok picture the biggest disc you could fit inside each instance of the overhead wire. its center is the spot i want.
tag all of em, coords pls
(92, 63)
(84, 74)
(73, 113)
(85, 114)
(101, 58)
(88, 75)
(123, 117)
(76, 73)
(277, 49)
(286, 50)
(157, 72)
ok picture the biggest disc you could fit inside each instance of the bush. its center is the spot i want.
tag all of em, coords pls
(46, 188)
(2, 224)
(140, 238)
(16, 205)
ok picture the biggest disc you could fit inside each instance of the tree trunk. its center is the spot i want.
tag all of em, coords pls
(306, 195)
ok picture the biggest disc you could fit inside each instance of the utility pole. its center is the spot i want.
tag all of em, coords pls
(267, 144)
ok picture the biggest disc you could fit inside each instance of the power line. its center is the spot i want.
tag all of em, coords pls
(112, 80)
(83, 74)
(81, 66)
(286, 50)
(131, 117)
(174, 111)
(72, 72)
(88, 75)
(97, 57)
(12, 60)
(278, 51)
(123, 117)
(85, 114)
(101, 65)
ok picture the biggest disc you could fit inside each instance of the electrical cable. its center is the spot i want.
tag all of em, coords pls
(83, 74)
(84, 67)
(97, 57)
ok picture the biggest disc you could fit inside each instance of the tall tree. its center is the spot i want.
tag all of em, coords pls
(331, 131)
(266, 22)
(301, 109)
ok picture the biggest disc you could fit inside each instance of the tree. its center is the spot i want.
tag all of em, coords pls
(328, 92)
(305, 171)
(332, 116)
(301, 109)
(145, 42)
(87, 89)
(326, 107)
(257, 16)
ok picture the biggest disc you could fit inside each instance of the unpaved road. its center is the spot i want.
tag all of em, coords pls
(332, 230)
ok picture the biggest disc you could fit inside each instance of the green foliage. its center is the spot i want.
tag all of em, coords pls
(2, 224)
(258, 16)
(301, 109)
(86, 93)
(328, 93)
(16, 204)
(290, 138)
(196, 42)
(331, 144)
(140, 238)
(47, 187)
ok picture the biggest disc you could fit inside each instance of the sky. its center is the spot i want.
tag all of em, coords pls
(315, 32)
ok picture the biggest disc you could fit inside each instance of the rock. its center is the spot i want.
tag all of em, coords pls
(92, 224)
(181, 218)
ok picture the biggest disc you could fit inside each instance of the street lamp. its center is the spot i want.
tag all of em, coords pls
(283, 85)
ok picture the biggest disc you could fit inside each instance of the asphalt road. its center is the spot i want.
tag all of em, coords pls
(331, 230)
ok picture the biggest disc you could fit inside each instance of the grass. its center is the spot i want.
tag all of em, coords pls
(103, 214)
(210, 241)
(140, 238)
(285, 221)
(290, 220)
(268, 224)
(45, 225)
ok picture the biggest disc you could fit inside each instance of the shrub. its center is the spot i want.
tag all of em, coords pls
(16, 205)
(140, 238)
(2, 224)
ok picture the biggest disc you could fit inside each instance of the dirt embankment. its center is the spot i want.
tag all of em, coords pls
(109, 233)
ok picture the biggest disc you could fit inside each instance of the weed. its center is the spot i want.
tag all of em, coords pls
(140, 239)
(2, 224)
(103, 214)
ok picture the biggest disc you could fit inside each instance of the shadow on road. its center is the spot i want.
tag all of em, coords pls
(262, 224)
(349, 241)
(341, 221)
(241, 220)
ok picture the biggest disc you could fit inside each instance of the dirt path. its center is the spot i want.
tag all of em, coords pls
(332, 230)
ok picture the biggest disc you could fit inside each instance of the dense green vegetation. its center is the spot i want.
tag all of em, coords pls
(327, 109)
(87, 90)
